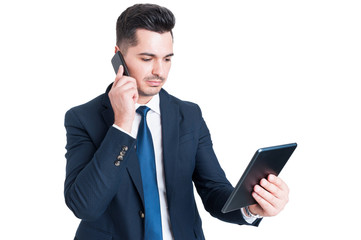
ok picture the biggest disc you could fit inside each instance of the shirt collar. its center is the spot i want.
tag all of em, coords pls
(153, 104)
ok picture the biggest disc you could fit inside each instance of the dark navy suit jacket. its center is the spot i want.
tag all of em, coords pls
(107, 193)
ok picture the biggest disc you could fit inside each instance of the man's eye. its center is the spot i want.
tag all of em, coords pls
(146, 59)
(167, 59)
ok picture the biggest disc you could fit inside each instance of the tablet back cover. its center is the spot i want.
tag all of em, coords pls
(265, 161)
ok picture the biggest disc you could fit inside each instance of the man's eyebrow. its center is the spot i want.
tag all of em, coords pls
(153, 55)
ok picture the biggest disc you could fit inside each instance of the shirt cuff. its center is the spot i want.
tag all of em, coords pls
(248, 219)
(121, 129)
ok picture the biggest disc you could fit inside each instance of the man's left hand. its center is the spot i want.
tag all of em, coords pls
(271, 195)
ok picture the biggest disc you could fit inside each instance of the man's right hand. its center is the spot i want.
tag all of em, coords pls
(123, 95)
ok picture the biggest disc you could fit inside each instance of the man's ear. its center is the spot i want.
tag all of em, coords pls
(116, 49)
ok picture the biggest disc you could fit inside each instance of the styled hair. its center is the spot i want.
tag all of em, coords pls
(142, 16)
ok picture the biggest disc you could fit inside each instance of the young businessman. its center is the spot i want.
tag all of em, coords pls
(134, 151)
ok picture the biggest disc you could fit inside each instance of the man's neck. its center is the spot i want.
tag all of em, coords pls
(142, 100)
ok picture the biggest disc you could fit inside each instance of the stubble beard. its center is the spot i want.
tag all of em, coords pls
(151, 91)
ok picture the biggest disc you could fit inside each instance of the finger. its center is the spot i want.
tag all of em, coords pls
(122, 90)
(124, 81)
(267, 208)
(278, 182)
(136, 96)
(120, 70)
(126, 84)
(267, 196)
(129, 83)
(129, 93)
(272, 188)
(118, 76)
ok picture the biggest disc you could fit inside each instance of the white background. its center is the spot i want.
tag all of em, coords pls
(264, 73)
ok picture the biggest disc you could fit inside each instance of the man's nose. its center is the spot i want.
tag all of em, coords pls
(158, 68)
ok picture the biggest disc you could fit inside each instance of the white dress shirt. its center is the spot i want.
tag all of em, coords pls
(155, 127)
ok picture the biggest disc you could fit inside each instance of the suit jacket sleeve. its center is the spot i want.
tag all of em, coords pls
(210, 180)
(92, 177)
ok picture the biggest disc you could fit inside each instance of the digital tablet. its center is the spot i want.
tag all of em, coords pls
(265, 161)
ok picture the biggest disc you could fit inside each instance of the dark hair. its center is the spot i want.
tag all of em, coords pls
(142, 16)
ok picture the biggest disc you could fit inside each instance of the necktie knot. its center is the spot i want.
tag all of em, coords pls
(143, 110)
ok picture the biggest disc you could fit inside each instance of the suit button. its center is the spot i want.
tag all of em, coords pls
(120, 157)
(141, 214)
(117, 163)
(124, 148)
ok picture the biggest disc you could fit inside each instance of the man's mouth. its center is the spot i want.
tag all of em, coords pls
(154, 81)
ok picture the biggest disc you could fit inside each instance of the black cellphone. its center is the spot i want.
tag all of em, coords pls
(118, 60)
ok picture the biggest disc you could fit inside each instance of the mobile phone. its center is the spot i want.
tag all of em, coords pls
(118, 60)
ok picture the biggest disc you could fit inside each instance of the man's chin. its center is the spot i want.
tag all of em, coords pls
(149, 92)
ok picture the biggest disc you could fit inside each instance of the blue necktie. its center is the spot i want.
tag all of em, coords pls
(145, 153)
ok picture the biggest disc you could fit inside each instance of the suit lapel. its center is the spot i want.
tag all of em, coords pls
(134, 173)
(133, 165)
(170, 137)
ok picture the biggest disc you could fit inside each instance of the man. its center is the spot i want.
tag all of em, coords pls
(130, 168)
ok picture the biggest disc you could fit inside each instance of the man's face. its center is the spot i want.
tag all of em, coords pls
(149, 61)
